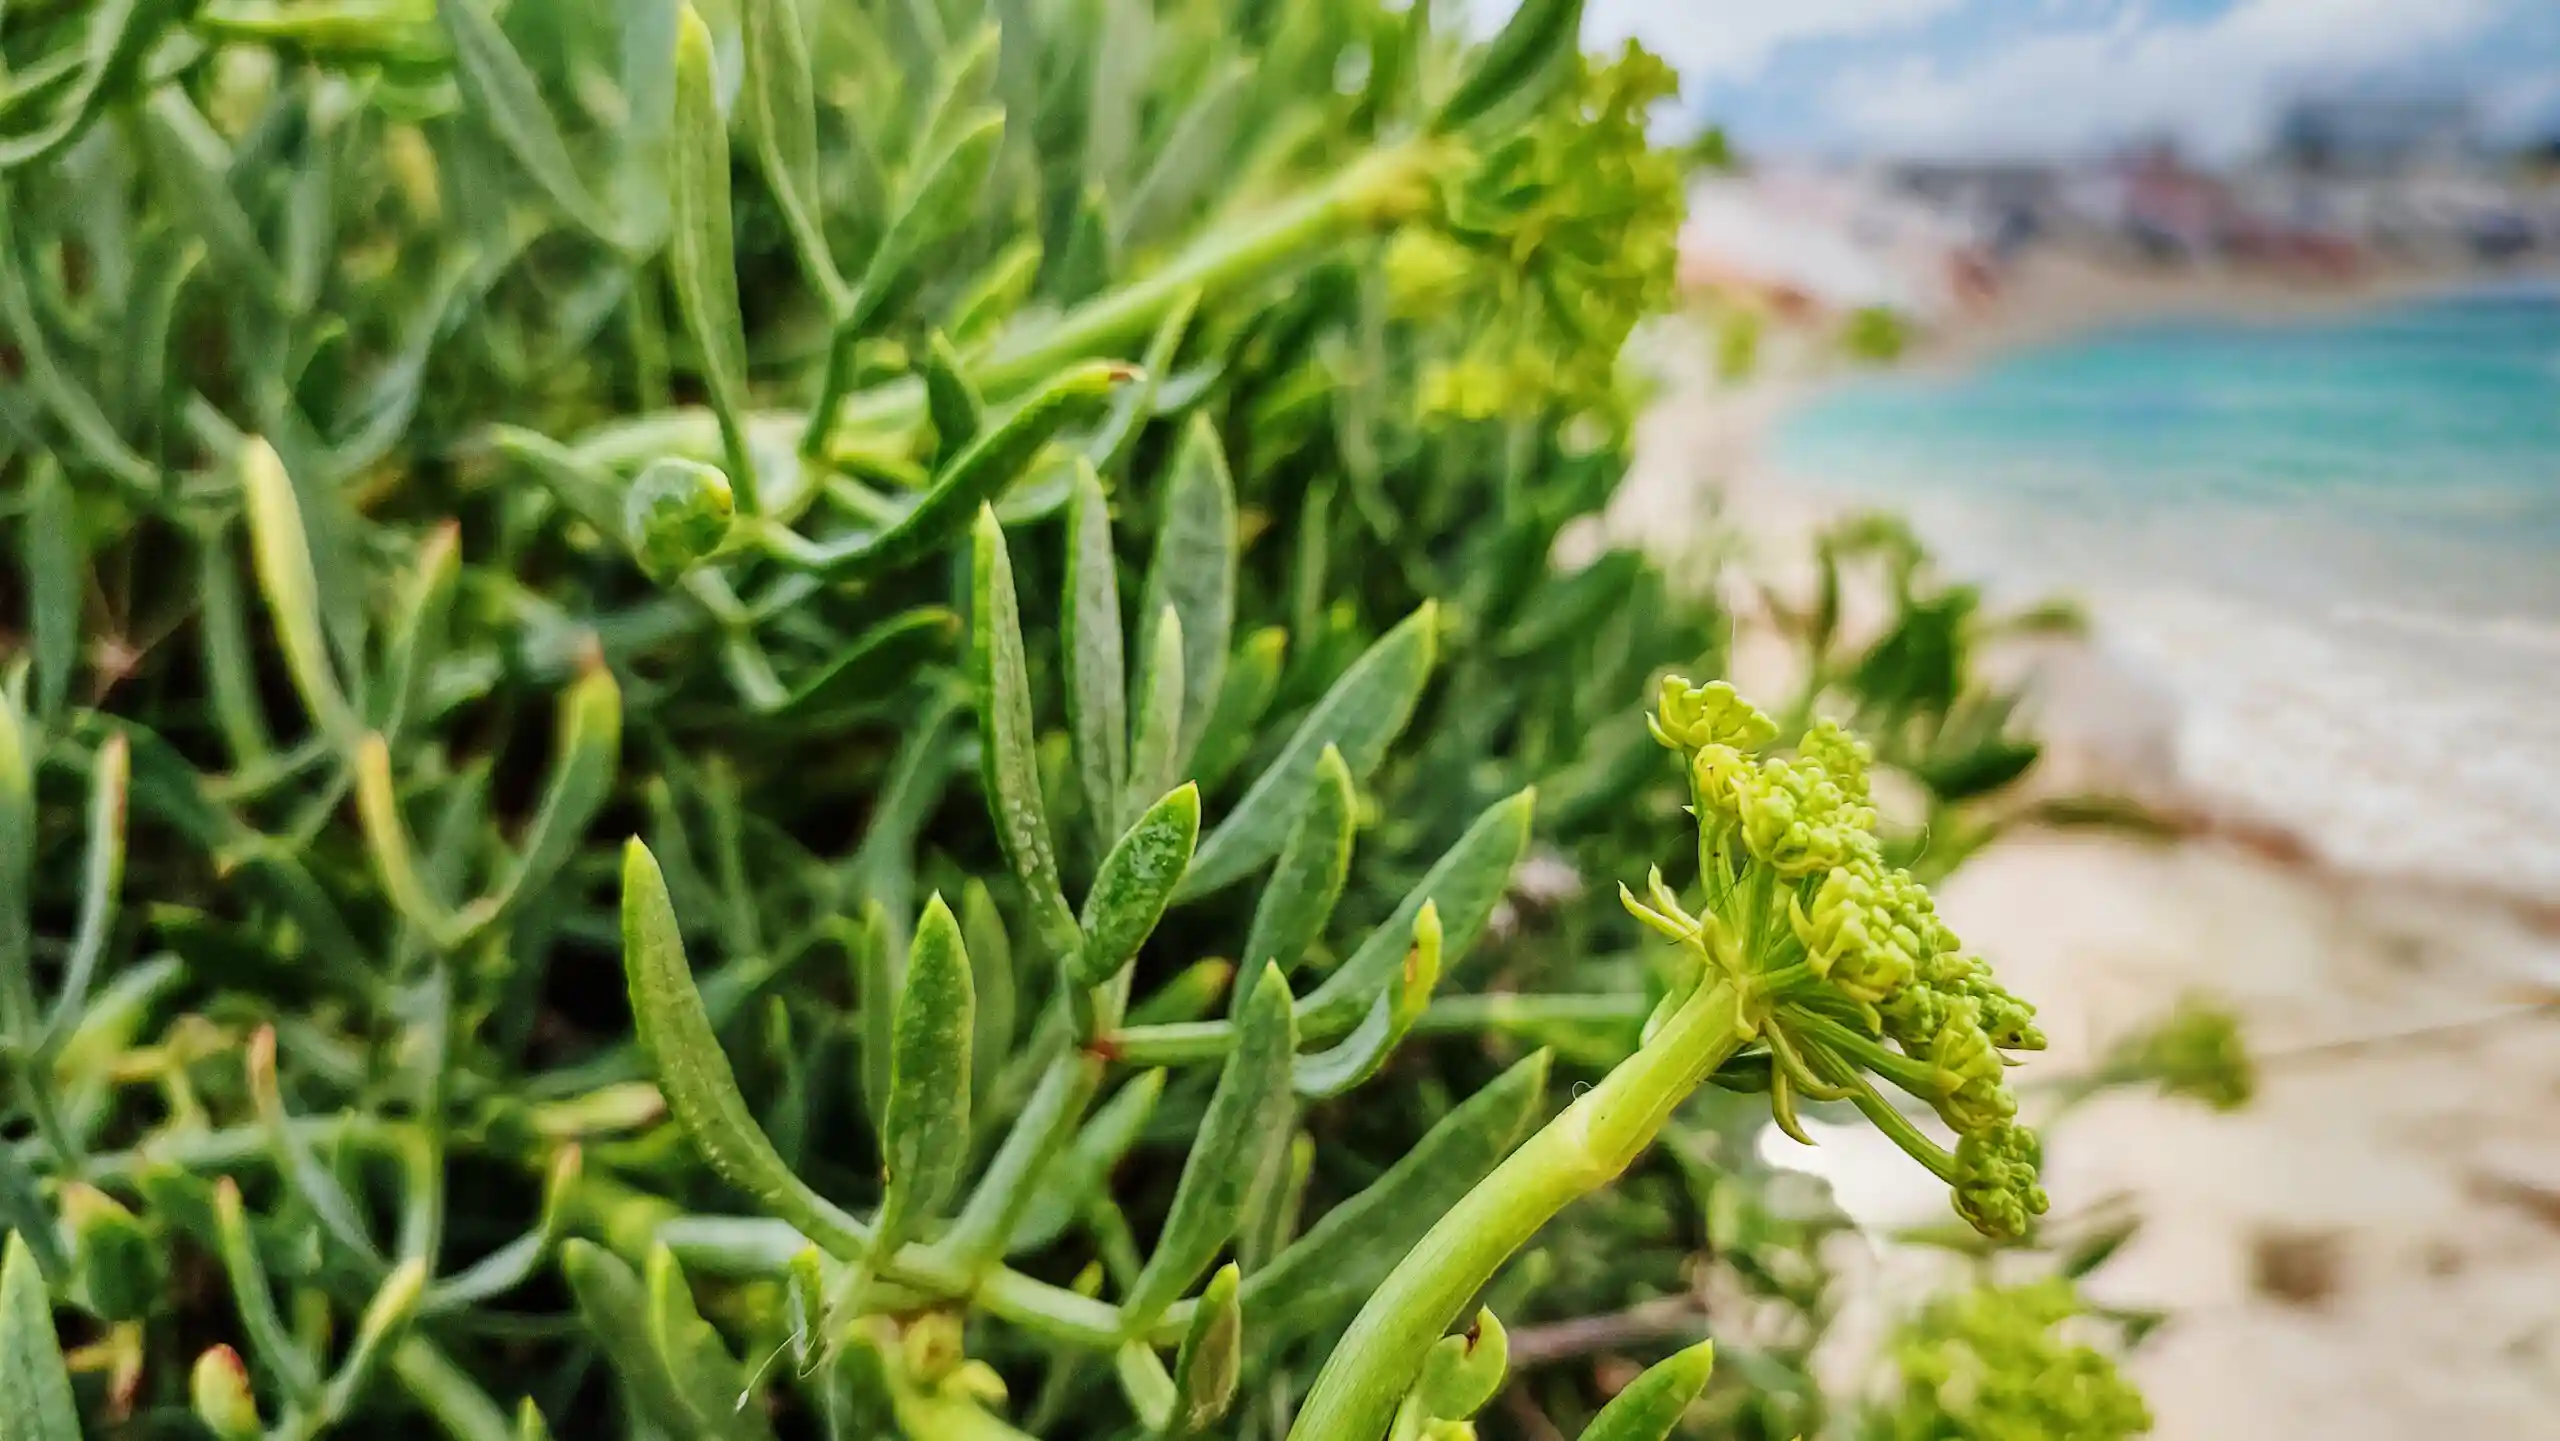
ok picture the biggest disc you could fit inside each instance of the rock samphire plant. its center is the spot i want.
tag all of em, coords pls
(1042, 516)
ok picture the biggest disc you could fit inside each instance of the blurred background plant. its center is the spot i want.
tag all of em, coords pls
(442, 439)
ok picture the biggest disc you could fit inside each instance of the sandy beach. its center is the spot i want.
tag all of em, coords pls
(2372, 1249)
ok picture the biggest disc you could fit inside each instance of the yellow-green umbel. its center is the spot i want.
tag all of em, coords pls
(1996, 1364)
(1847, 972)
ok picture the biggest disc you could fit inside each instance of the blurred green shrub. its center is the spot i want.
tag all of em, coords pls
(444, 439)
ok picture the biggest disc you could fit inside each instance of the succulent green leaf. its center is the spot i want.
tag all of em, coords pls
(998, 292)
(621, 1314)
(964, 81)
(1078, 1173)
(1145, 1382)
(1464, 1371)
(77, 410)
(1088, 259)
(120, 1267)
(586, 751)
(23, 1210)
(1194, 572)
(1351, 1247)
(418, 629)
(700, 250)
(586, 489)
(49, 537)
(118, 35)
(1357, 1057)
(195, 164)
(1252, 1100)
(411, 889)
(992, 979)
(1009, 760)
(647, 66)
(1518, 61)
(1097, 671)
(1117, 435)
(1135, 884)
(1212, 1357)
(101, 888)
(924, 1130)
(1155, 751)
(1201, 139)
(695, 1355)
(1365, 710)
(385, 1319)
(1272, 1221)
(874, 958)
(1123, 49)
(1464, 885)
(676, 514)
(983, 470)
(693, 1072)
(282, 551)
(32, 1374)
(317, 1185)
(873, 662)
(277, 1350)
(1188, 995)
(938, 200)
(1253, 682)
(951, 402)
(1651, 1405)
(219, 1393)
(781, 119)
(1300, 895)
(17, 870)
(503, 91)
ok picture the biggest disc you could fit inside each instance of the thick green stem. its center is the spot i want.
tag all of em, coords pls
(1380, 189)
(1596, 1138)
(976, 1240)
(1200, 1043)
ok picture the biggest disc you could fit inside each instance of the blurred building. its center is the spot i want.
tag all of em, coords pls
(1817, 240)
(2376, 135)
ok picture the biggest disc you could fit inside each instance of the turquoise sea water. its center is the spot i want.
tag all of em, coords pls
(2336, 540)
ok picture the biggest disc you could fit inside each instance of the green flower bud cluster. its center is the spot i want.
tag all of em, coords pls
(1799, 816)
(1995, 1185)
(677, 513)
(1858, 973)
(2000, 1364)
(1570, 225)
(2197, 1051)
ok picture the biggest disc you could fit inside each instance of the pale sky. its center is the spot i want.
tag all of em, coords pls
(1981, 77)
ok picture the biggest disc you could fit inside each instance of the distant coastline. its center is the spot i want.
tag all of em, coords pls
(2316, 525)
(2118, 717)
(2053, 295)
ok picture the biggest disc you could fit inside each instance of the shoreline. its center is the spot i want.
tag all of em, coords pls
(2112, 722)
(2050, 298)
(2364, 1253)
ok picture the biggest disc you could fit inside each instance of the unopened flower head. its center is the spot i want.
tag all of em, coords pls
(1859, 975)
(1841, 756)
(2000, 1363)
(2197, 1052)
(1688, 717)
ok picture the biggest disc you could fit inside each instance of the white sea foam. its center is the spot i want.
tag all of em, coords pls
(2338, 547)
(2429, 749)
(2397, 737)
